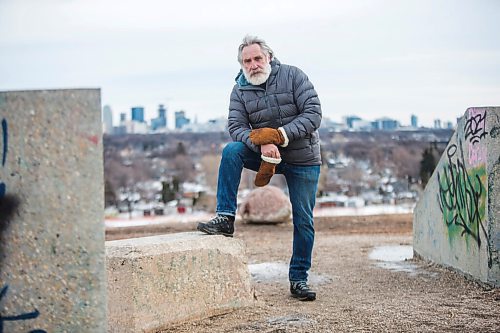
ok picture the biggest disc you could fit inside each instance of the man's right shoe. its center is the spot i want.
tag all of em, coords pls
(219, 225)
(301, 291)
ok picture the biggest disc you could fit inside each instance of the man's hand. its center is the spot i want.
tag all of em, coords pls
(270, 150)
(263, 136)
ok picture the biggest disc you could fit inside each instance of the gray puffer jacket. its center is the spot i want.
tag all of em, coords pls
(286, 100)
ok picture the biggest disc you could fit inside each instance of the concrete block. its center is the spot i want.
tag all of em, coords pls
(155, 282)
(52, 272)
(456, 220)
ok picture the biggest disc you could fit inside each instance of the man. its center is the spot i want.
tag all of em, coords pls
(274, 116)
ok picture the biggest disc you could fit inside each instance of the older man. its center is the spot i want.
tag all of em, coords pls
(274, 116)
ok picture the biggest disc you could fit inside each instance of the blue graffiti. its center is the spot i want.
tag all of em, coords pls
(3, 187)
(5, 143)
(24, 316)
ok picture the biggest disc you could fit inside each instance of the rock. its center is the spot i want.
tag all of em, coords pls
(267, 204)
(160, 281)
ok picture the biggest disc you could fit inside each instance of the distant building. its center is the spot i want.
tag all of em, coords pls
(123, 118)
(180, 119)
(332, 126)
(161, 121)
(138, 114)
(385, 124)
(448, 125)
(136, 127)
(162, 113)
(107, 120)
(213, 125)
(361, 125)
(120, 130)
(437, 123)
(348, 120)
(414, 121)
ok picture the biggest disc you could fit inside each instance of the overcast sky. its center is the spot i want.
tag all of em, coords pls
(432, 58)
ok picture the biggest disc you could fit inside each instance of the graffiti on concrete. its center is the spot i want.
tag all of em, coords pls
(462, 198)
(477, 155)
(475, 131)
(18, 317)
(8, 203)
(494, 132)
(475, 125)
(8, 206)
(4, 136)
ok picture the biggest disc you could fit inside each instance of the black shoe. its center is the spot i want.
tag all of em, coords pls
(219, 225)
(301, 291)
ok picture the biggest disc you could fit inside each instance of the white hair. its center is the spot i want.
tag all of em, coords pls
(250, 40)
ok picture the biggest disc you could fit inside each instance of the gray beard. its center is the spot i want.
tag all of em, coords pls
(260, 78)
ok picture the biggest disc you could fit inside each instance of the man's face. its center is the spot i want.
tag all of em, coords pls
(255, 64)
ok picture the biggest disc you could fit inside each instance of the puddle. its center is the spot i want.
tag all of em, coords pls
(278, 272)
(393, 258)
(392, 253)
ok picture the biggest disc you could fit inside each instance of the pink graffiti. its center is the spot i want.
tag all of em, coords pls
(94, 139)
(477, 154)
(476, 112)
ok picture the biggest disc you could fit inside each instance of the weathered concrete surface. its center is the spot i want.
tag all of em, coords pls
(52, 247)
(456, 222)
(266, 204)
(154, 282)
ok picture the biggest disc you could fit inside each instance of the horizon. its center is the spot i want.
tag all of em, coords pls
(171, 118)
(365, 58)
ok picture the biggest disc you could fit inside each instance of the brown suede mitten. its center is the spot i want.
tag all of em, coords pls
(265, 173)
(266, 135)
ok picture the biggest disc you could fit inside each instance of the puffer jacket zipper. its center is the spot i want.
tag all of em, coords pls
(279, 110)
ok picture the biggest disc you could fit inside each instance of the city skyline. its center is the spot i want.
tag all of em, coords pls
(388, 58)
(180, 120)
(170, 116)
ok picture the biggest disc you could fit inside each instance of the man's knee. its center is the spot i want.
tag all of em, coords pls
(302, 217)
(233, 148)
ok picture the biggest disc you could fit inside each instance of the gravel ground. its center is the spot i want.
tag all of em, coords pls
(355, 292)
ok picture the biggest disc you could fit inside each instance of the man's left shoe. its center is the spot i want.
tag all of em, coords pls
(219, 225)
(301, 291)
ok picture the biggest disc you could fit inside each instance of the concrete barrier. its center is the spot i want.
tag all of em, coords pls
(52, 272)
(155, 282)
(456, 222)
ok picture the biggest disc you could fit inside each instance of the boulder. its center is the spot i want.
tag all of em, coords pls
(266, 204)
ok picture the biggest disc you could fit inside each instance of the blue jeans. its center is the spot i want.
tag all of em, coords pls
(302, 184)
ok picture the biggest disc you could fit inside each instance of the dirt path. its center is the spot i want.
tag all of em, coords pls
(355, 293)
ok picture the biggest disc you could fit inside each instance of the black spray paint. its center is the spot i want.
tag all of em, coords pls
(5, 137)
(17, 317)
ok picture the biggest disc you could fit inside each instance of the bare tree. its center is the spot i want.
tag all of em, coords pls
(210, 165)
(353, 176)
(406, 161)
(323, 178)
(184, 168)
